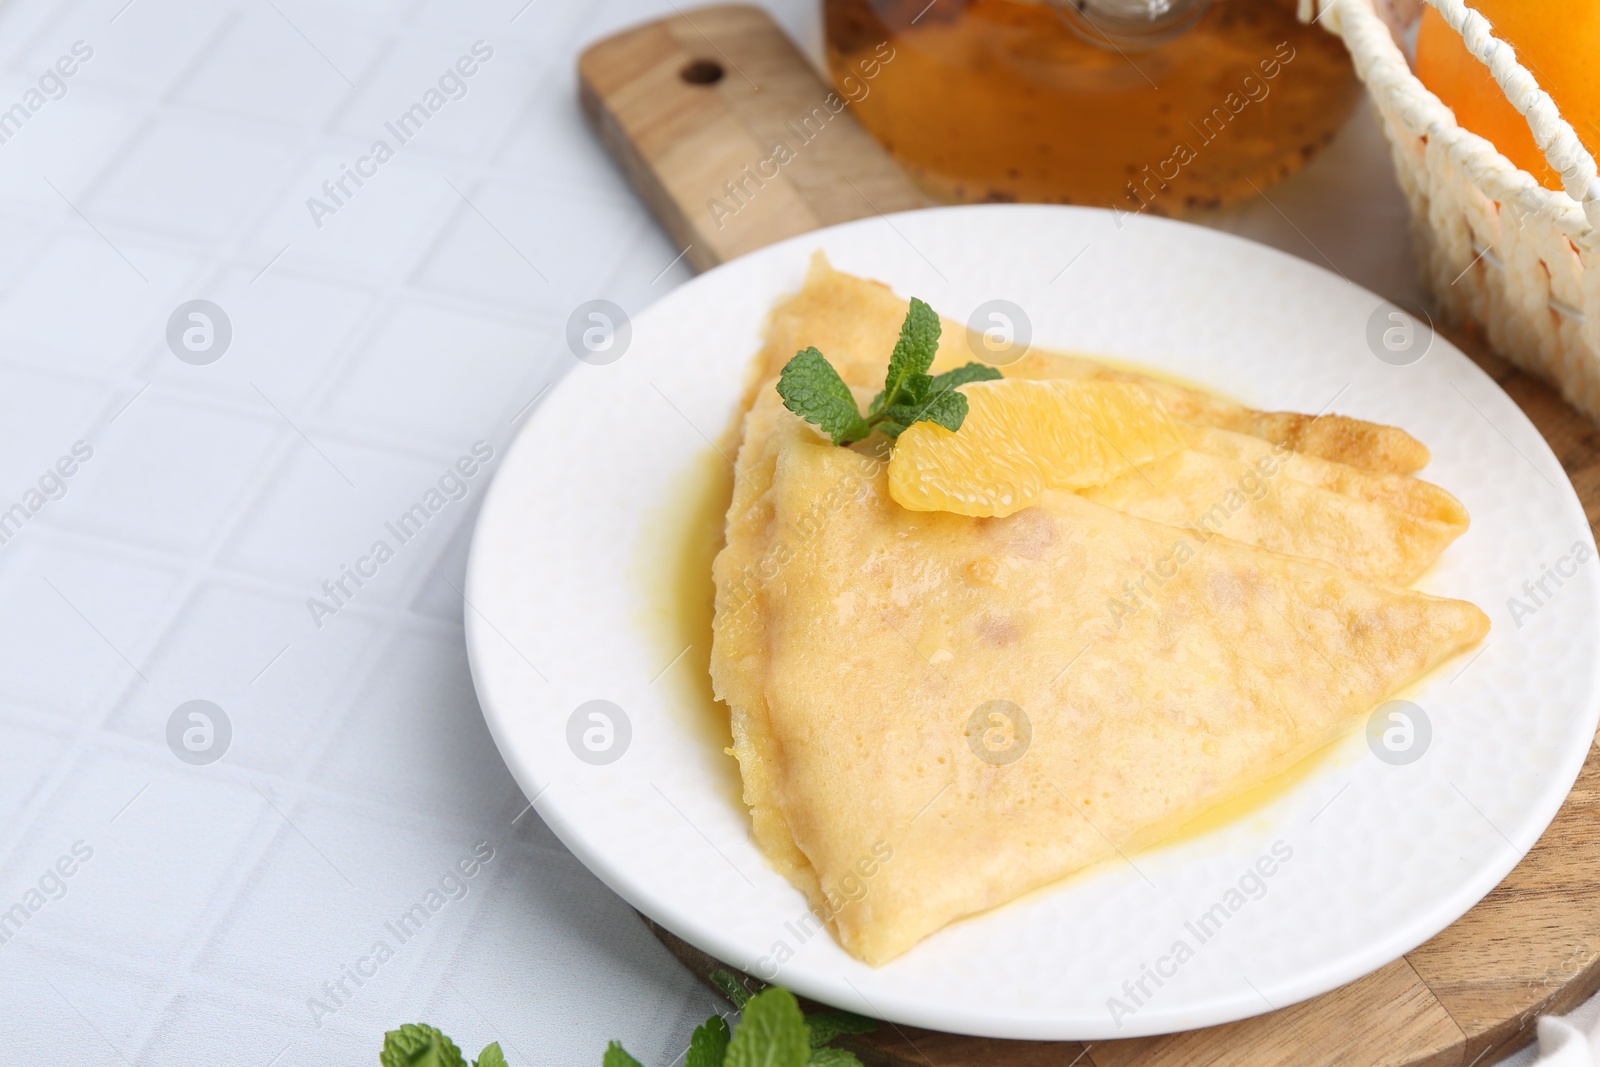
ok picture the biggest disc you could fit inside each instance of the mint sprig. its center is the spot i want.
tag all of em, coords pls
(812, 388)
(772, 1032)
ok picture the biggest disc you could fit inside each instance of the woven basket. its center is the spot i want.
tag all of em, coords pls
(1496, 247)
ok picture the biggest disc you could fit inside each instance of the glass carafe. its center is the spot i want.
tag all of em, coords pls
(1145, 105)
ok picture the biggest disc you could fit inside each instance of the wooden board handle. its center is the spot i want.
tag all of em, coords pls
(730, 136)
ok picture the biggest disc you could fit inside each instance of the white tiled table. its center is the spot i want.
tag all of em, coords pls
(367, 356)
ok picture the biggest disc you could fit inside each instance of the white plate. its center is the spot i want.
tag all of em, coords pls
(1381, 856)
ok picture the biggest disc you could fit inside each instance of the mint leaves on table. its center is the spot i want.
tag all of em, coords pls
(709, 1045)
(421, 1045)
(772, 1032)
(731, 988)
(824, 1026)
(617, 1056)
(812, 389)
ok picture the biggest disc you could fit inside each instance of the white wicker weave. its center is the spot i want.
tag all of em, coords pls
(1495, 246)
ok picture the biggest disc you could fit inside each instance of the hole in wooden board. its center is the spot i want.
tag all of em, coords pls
(702, 72)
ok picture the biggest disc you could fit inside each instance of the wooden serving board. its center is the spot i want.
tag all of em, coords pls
(685, 105)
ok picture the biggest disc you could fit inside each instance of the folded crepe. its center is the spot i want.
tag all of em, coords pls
(1172, 638)
(858, 644)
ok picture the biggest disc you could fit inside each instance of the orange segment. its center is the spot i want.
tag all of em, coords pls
(1024, 436)
(1558, 40)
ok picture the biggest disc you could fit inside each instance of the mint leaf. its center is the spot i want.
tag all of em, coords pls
(709, 1045)
(419, 1045)
(731, 988)
(827, 1025)
(832, 1057)
(972, 372)
(771, 1033)
(947, 408)
(914, 352)
(916, 387)
(914, 390)
(491, 1056)
(616, 1057)
(812, 389)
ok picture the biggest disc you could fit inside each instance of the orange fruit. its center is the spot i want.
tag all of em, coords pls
(1557, 40)
(1022, 437)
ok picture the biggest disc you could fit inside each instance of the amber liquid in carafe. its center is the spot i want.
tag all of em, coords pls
(998, 100)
